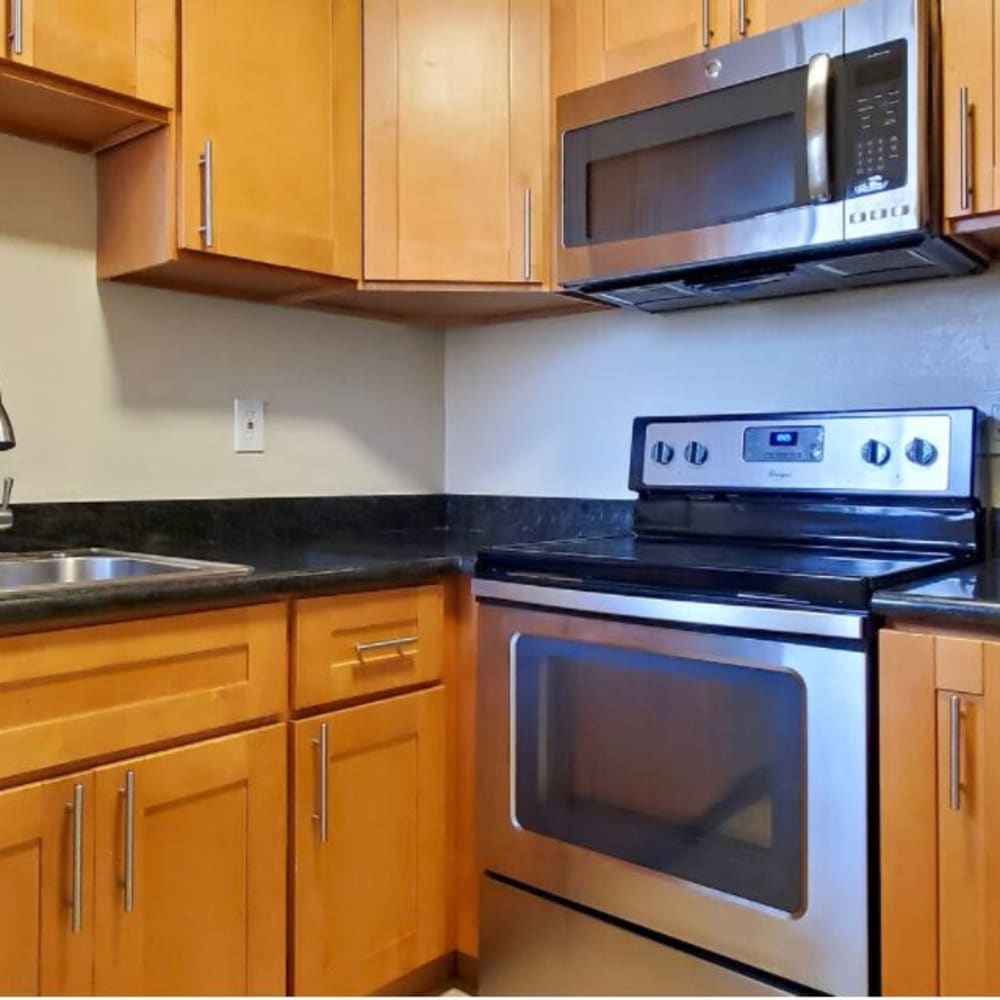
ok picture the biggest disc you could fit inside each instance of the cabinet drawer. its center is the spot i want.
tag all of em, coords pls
(81, 693)
(360, 644)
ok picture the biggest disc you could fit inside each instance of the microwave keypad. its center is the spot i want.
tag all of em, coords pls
(877, 109)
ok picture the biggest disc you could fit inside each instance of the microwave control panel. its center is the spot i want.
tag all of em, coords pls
(876, 106)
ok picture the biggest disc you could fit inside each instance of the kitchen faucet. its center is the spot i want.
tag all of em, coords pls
(7, 441)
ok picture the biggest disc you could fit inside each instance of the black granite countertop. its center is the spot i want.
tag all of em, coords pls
(968, 596)
(293, 547)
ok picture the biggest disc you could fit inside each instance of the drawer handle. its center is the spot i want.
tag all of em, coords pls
(75, 809)
(128, 883)
(322, 814)
(367, 647)
(955, 753)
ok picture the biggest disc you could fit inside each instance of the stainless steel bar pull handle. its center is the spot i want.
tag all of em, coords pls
(706, 25)
(955, 754)
(322, 814)
(207, 227)
(16, 32)
(965, 149)
(128, 882)
(818, 128)
(744, 21)
(76, 887)
(527, 234)
(368, 647)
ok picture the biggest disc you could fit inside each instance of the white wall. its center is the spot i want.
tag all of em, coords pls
(545, 408)
(123, 392)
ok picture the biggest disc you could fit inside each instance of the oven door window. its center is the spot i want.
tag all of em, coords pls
(689, 768)
(728, 155)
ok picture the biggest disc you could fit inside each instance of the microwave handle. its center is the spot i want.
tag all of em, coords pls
(818, 128)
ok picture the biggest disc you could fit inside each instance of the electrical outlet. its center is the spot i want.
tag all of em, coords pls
(989, 404)
(249, 425)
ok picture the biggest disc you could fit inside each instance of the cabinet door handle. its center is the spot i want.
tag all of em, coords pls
(706, 27)
(16, 33)
(322, 814)
(955, 754)
(75, 809)
(965, 148)
(527, 234)
(744, 21)
(128, 881)
(207, 229)
(360, 648)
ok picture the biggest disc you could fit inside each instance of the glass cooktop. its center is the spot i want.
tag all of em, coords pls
(728, 569)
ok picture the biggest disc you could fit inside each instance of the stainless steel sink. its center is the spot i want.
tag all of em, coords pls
(34, 571)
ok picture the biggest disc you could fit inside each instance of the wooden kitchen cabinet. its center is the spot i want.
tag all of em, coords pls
(456, 141)
(208, 862)
(125, 46)
(598, 40)
(968, 42)
(754, 17)
(258, 85)
(40, 952)
(940, 779)
(358, 645)
(369, 897)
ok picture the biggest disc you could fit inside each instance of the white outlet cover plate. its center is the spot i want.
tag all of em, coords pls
(248, 426)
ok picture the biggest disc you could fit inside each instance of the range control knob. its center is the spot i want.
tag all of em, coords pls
(876, 452)
(696, 453)
(921, 452)
(662, 453)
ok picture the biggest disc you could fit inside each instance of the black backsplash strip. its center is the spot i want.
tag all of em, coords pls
(538, 518)
(140, 524)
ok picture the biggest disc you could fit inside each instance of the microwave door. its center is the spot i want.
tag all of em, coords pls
(728, 173)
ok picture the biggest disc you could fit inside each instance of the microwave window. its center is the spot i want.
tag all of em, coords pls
(704, 180)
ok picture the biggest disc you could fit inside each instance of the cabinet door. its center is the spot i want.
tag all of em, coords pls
(962, 839)
(369, 899)
(92, 41)
(967, 40)
(190, 869)
(455, 140)
(257, 85)
(618, 37)
(753, 17)
(42, 872)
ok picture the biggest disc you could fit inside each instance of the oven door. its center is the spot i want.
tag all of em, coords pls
(724, 155)
(711, 787)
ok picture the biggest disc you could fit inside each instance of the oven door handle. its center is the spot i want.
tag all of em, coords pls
(818, 128)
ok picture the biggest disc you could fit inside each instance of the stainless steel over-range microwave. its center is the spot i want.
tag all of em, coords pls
(800, 160)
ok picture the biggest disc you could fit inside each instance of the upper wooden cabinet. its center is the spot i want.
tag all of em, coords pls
(125, 46)
(754, 17)
(257, 137)
(598, 40)
(939, 707)
(968, 35)
(455, 140)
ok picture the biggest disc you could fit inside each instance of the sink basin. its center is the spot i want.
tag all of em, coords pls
(33, 571)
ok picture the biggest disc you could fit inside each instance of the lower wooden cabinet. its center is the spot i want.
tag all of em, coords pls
(940, 812)
(163, 874)
(40, 950)
(370, 844)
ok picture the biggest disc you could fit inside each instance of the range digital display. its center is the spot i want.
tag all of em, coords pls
(784, 439)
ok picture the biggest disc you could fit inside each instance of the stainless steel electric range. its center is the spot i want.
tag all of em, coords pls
(677, 745)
